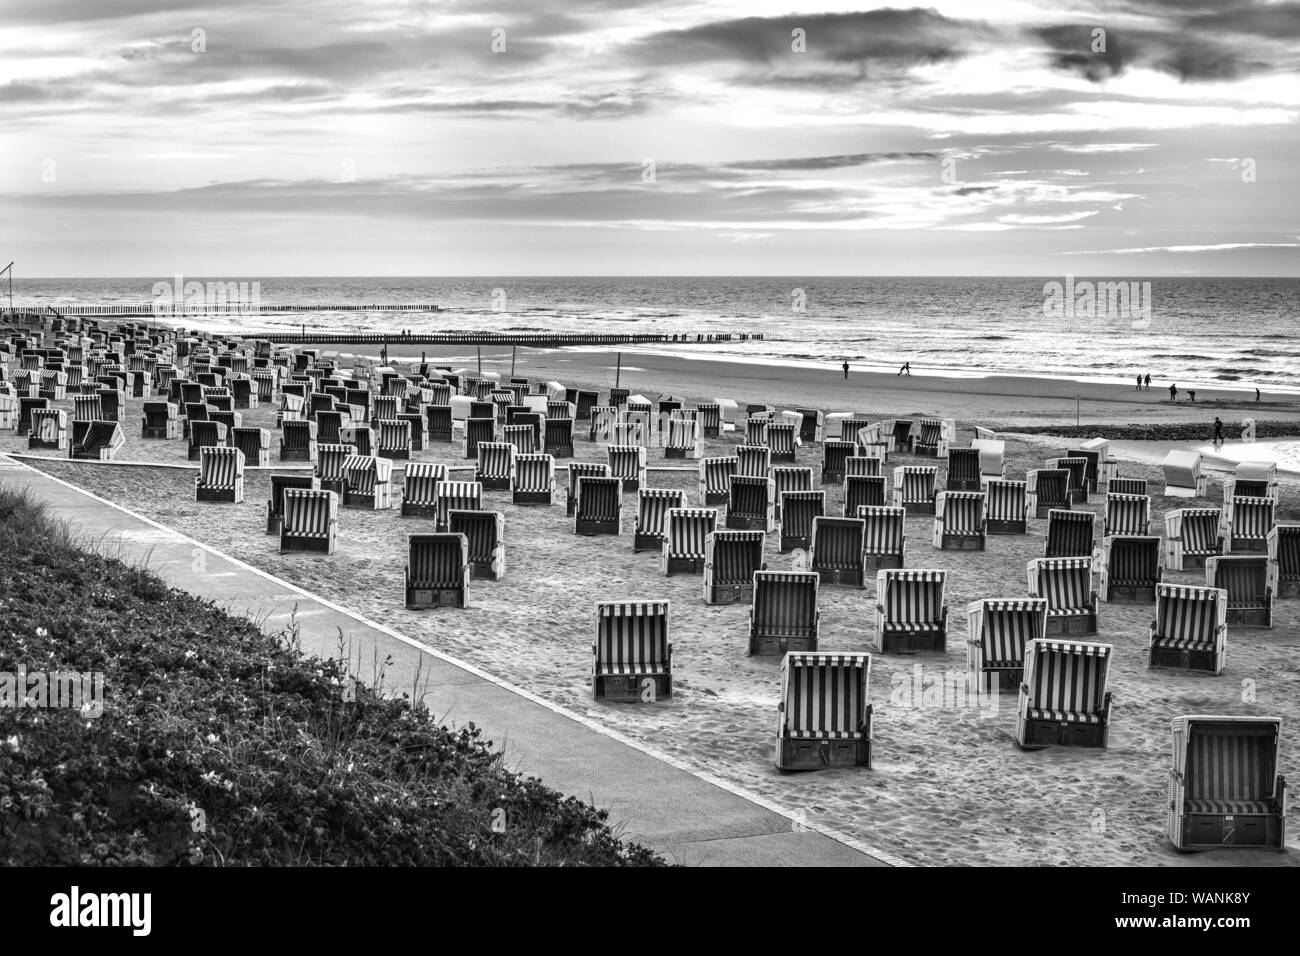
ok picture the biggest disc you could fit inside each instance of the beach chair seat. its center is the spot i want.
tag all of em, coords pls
(750, 504)
(1048, 489)
(205, 434)
(627, 463)
(992, 451)
(437, 571)
(534, 480)
(812, 424)
(930, 441)
(159, 420)
(653, 505)
(328, 469)
(1127, 486)
(1070, 534)
(600, 506)
(255, 443)
(1190, 630)
(478, 431)
(632, 653)
(495, 469)
(715, 479)
(1063, 697)
(1224, 786)
(1191, 536)
(1008, 506)
(420, 490)
(221, 475)
(914, 488)
(1127, 514)
(963, 469)
(789, 478)
(1284, 560)
(910, 613)
(836, 547)
(297, 441)
(730, 560)
(275, 504)
(1066, 585)
(885, 536)
(1130, 568)
(310, 520)
(1246, 523)
(1252, 479)
(825, 711)
(486, 533)
(559, 437)
(574, 471)
(456, 496)
(1183, 477)
(687, 532)
(834, 455)
(683, 439)
(798, 510)
(783, 615)
(863, 491)
(997, 632)
(959, 520)
(439, 422)
(1245, 579)
(49, 429)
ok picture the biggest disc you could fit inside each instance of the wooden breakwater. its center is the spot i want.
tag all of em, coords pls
(534, 339)
(147, 310)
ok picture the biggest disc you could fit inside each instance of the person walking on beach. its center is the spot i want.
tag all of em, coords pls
(1256, 394)
(1191, 395)
(1218, 430)
(1148, 381)
(906, 369)
(1139, 384)
(1173, 393)
(846, 368)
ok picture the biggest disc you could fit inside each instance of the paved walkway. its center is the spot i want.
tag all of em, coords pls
(656, 801)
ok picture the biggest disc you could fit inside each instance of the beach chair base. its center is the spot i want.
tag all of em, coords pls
(881, 562)
(730, 593)
(800, 754)
(631, 486)
(440, 436)
(168, 431)
(229, 496)
(1215, 831)
(961, 542)
(1131, 594)
(419, 599)
(395, 454)
(1037, 734)
(412, 510)
(742, 522)
(332, 484)
(493, 484)
(709, 431)
(1183, 659)
(1007, 678)
(683, 566)
(1078, 496)
(1248, 546)
(290, 543)
(296, 454)
(559, 451)
(59, 444)
(1006, 527)
(590, 527)
(716, 498)
(793, 541)
(1288, 588)
(677, 452)
(764, 644)
(1190, 562)
(784, 457)
(845, 577)
(484, 570)
(647, 542)
(533, 498)
(926, 451)
(959, 485)
(1254, 616)
(1070, 625)
(919, 507)
(912, 642)
(632, 688)
(832, 477)
(570, 505)
(354, 499)
(274, 523)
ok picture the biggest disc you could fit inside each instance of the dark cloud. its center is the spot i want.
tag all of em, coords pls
(1177, 50)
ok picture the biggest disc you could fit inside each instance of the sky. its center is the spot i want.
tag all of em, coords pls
(607, 137)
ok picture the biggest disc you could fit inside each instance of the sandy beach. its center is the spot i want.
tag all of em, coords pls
(949, 786)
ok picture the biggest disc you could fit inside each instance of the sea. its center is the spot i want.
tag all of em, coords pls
(1238, 333)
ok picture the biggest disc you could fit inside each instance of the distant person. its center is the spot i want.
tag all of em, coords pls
(1139, 384)
(1218, 430)
(906, 369)
(846, 369)
(1191, 395)
(1148, 380)
(1256, 394)
(1173, 393)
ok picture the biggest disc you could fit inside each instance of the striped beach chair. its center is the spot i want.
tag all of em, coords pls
(1048, 489)
(709, 415)
(603, 420)
(1008, 506)
(584, 401)
(293, 408)
(750, 505)
(88, 408)
(683, 439)
(1245, 578)
(1252, 479)
(863, 491)
(753, 461)
(1092, 466)
(8, 408)
(297, 441)
(1127, 486)
(931, 442)
(1130, 568)
(627, 463)
(486, 533)
(630, 432)
(574, 471)
(782, 440)
(194, 412)
(715, 479)
(1190, 631)
(559, 409)
(885, 537)
(367, 482)
(1224, 786)
(534, 480)
(632, 654)
(438, 422)
(310, 521)
(600, 506)
(963, 469)
(1066, 585)
(1183, 478)
(1246, 523)
(787, 478)
(1070, 534)
(1078, 480)
(914, 488)
(783, 615)
(205, 434)
(496, 465)
(522, 437)
(457, 496)
(756, 431)
(997, 632)
(243, 392)
(834, 455)
(730, 560)
(255, 443)
(420, 490)
(231, 420)
(1284, 560)
(812, 424)
(992, 451)
(959, 520)
(910, 613)
(362, 436)
(653, 505)
(275, 504)
(415, 425)
(1191, 536)
(864, 466)
(437, 571)
(49, 429)
(825, 711)
(798, 510)
(264, 382)
(684, 547)
(1127, 514)
(872, 441)
(113, 403)
(478, 431)
(1063, 698)
(1101, 469)
(221, 475)
(329, 464)
(54, 384)
(26, 405)
(559, 437)
(836, 547)
(382, 406)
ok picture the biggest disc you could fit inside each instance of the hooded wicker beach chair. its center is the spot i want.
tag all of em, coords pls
(329, 464)
(439, 422)
(709, 416)
(221, 475)
(1078, 480)
(863, 491)
(885, 537)
(963, 469)
(783, 615)
(534, 480)
(159, 420)
(255, 443)
(420, 490)
(485, 531)
(910, 613)
(49, 429)
(812, 424)
(437, 571)
(632, 655)
(457, 496)
(1130, 568)
(1066, 585)
(836, 548)
(631, 432)
(653, 505)
(26, 405)
(834, 454)
(753, 461)
(1191, 536)
(297, 440)
(1252, 479)
(478, 431)
(522, 437)
(825, 711)
(998, 631)
(730, 560)
(914, 488)
(1183, 478)
(275, 504)
(930, 442)
(628, 464)
(683, 439)
(600, 506)
(1224, 785)
(496, 465)
(750, 504)
(1008, 506)
(1246, 579)
(88, 408)
(415, 423)
(1127, 514)
(992, 451)
(959, 520)
(798, 511)
(1063, 698)
(329, 425)
(559, 437)
(205, 434)
(1070, 534)
(686, 535)
(310, 521)
(1048, 489)
(1246, 523)
(1127, 486)
(1190, 630)
(756, 431)
(1284, 560)
(113, 402)
(789, 478)
(864, 466)
(293, 408)
(573, 472)
(603, 420)
(782, 439)
(367, 482)
(194, 412)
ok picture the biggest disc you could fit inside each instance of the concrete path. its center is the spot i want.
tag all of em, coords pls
(653, 799)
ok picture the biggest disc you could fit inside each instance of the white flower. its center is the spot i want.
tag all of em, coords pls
(213, 738)
(190, 654)
(12, 743)
(42, 632)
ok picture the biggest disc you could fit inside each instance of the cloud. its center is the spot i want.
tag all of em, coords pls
(1212, 247)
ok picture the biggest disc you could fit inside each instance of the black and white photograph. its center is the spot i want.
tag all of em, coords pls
(592, 434)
